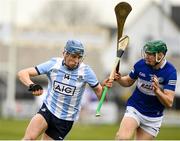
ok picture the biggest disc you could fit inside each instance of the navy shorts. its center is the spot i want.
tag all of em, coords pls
(57, 128)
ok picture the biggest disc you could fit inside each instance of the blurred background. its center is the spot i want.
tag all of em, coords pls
(33, 31)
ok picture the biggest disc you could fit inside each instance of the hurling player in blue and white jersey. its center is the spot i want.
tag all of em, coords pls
(67, 78)
(155, 79)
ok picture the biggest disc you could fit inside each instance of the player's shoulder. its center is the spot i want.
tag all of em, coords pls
(85, 67)
(170, 66)
(56, 60)
(140, 63)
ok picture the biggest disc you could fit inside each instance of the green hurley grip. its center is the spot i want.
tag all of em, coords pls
(105, 89)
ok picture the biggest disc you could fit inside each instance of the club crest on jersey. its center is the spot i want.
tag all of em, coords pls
(80, 78)
(63, 88)
(161, 79)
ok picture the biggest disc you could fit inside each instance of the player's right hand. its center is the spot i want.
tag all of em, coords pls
(107, 82)
(36, 89)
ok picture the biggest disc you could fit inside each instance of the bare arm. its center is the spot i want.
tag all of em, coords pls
(98, 91)
(25, 74)
(166, 97)
(125, 81)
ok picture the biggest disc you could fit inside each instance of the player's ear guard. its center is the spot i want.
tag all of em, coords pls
(35, 87)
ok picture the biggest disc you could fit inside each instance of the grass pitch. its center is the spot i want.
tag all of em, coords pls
(14, 130)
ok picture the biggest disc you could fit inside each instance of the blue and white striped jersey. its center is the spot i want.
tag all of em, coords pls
(143, 97)
(66, 87)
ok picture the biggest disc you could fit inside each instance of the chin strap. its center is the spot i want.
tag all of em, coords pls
(64, 64)
(158, 61)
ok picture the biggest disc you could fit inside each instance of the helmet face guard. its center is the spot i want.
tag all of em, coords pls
(155, 47)
(74, 47)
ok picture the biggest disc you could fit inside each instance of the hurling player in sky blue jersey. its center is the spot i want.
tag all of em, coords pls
(67, 78)
(155, 79)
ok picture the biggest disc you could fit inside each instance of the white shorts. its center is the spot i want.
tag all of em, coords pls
(149, 124)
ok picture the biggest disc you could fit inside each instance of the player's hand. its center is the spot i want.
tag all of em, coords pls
(36, 89)
(155, 84)
(107, 82)
(117, 76)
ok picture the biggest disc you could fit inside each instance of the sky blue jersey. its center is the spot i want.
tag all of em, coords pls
(143, 97)
(66, 87)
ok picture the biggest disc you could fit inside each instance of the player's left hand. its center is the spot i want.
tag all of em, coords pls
(155, 84)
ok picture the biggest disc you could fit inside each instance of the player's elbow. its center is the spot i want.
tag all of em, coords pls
(20, 73)
(166, 106)
(169, 104)
(168, 98)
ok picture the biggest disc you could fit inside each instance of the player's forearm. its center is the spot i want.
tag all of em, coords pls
(124, 81)
(99, 94)
(166, 100)
(24, 77)
(98, 91)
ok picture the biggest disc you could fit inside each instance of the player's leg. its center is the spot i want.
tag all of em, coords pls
(46, 137)
(58, 129)
(35, 128)
(143, 135)
(149, 127)
(129, 124)
(127, 128)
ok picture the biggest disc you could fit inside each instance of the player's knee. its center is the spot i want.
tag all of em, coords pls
(122, 136)
(30, 137)
(118, 136)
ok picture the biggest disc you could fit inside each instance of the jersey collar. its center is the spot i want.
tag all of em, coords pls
(164, 63)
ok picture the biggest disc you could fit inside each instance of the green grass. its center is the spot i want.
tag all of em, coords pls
(92, 132)
(14, 130)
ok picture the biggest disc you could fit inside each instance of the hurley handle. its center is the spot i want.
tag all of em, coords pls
(105, 89)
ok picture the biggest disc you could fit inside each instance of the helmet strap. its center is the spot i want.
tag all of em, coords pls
(64, 62)
(158, 60)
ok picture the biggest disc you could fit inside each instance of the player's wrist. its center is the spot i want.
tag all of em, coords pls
(30, 85)
(158, 91)
(34, 87)
(107, 82)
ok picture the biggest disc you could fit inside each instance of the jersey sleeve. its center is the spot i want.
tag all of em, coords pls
(134, 72)
(45, 67)
(171, 81)
(90, 77)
